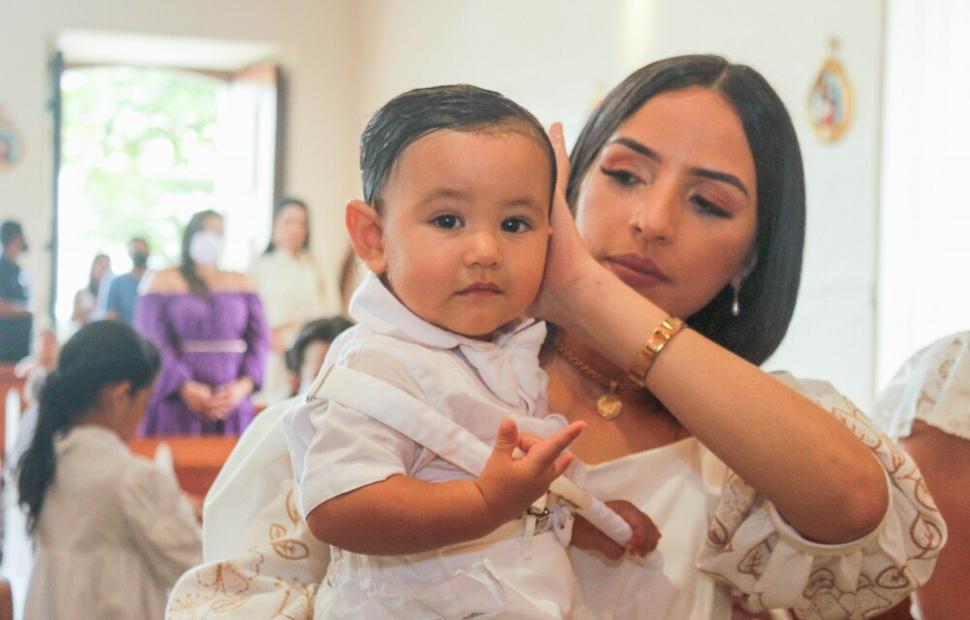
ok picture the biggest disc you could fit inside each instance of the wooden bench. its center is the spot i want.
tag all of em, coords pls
(8, 381)
(197, 460)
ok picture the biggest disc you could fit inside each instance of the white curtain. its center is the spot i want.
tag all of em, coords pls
(924, 270)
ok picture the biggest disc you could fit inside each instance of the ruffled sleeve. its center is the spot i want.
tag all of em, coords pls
(932, 386)
(162, 522)
(769, 565)
(257, 342)
(152, 322)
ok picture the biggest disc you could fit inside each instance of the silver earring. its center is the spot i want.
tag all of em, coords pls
(736, 305)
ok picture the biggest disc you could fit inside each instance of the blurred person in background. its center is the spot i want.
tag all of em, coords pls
(123, 290)
(209, 326)
(290, 286)
(16, 319)
(111, 531)
(926, 408)
(305, 357)
(86, 299)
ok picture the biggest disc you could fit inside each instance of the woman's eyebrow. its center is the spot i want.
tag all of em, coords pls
(640, 148)
(715, 175)
(724, 177)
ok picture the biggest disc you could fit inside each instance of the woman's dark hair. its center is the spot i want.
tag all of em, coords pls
(100, 354)
(282, 203)
(416, 113)
(187, 266)
(93, 282)
(322, 330)
(768, 295)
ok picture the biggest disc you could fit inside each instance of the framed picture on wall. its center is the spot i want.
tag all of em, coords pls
(830, 100)
(11, 146)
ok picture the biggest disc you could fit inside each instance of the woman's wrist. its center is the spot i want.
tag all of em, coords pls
(608, 315)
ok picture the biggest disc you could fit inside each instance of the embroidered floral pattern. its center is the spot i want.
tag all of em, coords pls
(239, 588)
(859, 580)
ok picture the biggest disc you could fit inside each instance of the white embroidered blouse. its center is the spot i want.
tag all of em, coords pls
(932, 386)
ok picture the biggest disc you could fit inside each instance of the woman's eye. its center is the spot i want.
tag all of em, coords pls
(623, 177)
(706, 206)
(516, 225)
(447, 220)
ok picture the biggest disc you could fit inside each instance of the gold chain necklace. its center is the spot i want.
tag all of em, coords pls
(609, 405)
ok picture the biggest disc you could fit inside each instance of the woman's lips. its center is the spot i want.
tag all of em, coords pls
(637, 271)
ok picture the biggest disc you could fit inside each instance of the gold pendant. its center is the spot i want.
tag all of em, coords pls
(609, 405)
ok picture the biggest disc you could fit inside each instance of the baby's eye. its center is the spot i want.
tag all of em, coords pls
(446, 220)
(516, 225)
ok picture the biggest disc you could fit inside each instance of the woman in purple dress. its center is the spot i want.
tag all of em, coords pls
(210, 328)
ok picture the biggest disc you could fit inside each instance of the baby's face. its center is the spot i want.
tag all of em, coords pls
(466, 228)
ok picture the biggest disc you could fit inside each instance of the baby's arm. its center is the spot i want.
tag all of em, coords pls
(402, 515)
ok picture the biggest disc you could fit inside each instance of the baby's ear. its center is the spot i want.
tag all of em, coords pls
(366, 234)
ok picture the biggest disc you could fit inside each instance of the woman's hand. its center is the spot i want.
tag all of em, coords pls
(510, 485)
(227, 397)
(568, 262)
(198, 398)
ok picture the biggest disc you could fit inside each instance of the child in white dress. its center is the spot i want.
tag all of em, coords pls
(390, 449)
(111, 531)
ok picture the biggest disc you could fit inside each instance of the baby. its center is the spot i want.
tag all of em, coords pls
(390, 450)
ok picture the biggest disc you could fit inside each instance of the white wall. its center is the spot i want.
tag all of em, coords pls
(556, 58)
(317, 46)
(344, 59)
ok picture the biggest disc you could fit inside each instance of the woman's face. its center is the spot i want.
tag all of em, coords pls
(290, 228)
(669, 205)
(213, 223)
(100, 267)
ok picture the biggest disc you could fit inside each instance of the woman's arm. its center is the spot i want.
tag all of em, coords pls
(402, 515)
(945, 462)
(823, 480)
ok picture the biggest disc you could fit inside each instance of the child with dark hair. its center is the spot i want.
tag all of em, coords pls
(112, 532)
(305, 356)
(391, 448)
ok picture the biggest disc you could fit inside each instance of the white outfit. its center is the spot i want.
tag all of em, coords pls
(293, 293)
(720, 537)
(932, 386)
(113, 536)
(337, 445)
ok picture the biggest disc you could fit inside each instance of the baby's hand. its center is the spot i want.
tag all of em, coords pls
(644, 539)
(510, 485)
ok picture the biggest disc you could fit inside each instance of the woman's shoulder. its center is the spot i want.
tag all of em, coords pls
(166, 282)
(231, 282)
(933, 385)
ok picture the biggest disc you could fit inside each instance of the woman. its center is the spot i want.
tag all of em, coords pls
(86, 299)
(926, 407)
(112, 532)
(210, 329)
(689, 201)
(289, 283)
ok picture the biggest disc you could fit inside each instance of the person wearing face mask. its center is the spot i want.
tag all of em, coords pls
(291, 287)
(210, 328)
(123, 290)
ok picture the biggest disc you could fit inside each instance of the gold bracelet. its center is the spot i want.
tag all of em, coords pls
(647, 355)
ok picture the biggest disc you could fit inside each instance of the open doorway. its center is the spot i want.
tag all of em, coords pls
(142, 147)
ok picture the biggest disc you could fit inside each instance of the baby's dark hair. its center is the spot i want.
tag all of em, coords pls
(416, 113)
(100, 354)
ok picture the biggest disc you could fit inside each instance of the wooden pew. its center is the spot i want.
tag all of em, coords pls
(197, 460)
(8, 381)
